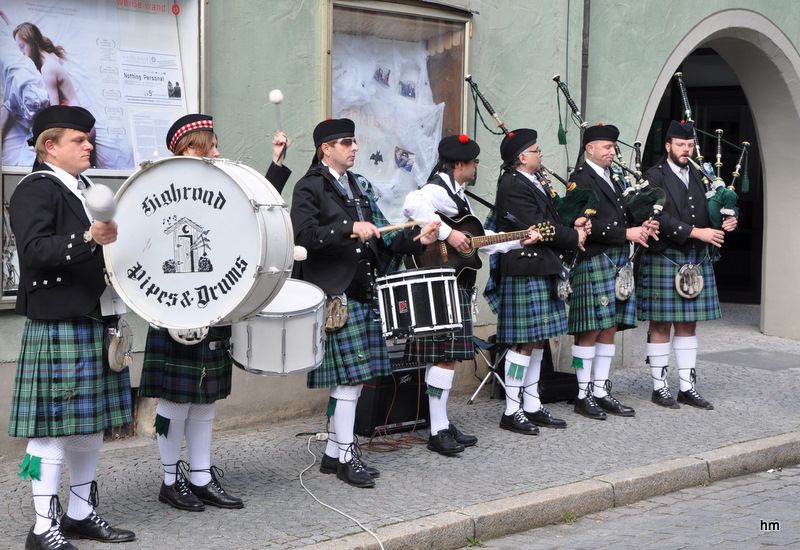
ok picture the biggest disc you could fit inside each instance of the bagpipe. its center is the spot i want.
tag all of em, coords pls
(722, 199)
(576, 202)
(643, 200)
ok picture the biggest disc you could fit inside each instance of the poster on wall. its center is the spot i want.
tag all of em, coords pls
(120, 59)
(117, 59)
(382, 85)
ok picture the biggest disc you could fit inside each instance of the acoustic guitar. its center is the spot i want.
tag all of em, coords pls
(441, 253)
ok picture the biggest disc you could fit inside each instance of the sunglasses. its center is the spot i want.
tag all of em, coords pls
(347, 142)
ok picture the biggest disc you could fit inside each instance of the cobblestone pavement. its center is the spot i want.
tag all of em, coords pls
(754, 511)
(263, 465)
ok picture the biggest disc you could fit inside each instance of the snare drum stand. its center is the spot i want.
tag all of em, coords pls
(496, 367)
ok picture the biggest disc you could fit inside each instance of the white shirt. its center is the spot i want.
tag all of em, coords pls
(71, 183)
(424, 203)
(602, 173)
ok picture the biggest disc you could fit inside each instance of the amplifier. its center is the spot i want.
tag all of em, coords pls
(396, 402)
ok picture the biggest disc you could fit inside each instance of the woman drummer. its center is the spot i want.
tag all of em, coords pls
(188, 379)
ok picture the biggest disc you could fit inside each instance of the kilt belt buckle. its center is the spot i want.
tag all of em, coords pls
(689, 281)
(623, 284)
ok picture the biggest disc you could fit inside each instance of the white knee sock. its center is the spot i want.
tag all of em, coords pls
(169, 446)
(51, 452)
(441, 379)
(82, 453)
(601, 367)
(199, 425)
(658, 356)
(530, 389)
(585, 356)
(686, 358)
(344, 418)
(515, 367)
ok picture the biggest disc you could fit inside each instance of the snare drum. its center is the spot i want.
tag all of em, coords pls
(419, 302)
(287, 337)
(201, 242)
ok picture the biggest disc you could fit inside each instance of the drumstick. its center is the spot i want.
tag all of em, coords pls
(418, 237)
(391, 227)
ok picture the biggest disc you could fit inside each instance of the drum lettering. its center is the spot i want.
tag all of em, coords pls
(186, 299)
(174, 195)
(136, 272)
(241, 264)
(152, 289)
(172, 298)
(202, 296)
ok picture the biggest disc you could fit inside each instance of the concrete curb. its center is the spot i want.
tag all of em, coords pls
(505, 516)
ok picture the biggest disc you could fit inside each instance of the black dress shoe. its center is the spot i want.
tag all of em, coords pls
(694, 399)
(589, 408)
(178, 495)
(609, 404)
(352, 472)
(95, 528)
(212, 493)
(664, 398)
(330, 465)
(444, 444)
(543, 418)
(52, 539)
(518, 423)
(464, 439)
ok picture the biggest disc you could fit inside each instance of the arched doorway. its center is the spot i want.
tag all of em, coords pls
(718, 102)
(767, 66)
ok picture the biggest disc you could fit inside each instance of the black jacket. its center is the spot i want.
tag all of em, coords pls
(684, 208)
(517, 195)
(613, 217)
(60, 276)
(323, 222)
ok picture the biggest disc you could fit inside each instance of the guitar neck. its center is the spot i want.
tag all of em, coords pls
(486, 240)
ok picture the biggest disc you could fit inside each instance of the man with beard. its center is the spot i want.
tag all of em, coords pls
(686, 234)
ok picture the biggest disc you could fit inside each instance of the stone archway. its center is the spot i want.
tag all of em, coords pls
(767, 65)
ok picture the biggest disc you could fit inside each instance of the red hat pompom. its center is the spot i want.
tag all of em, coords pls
(599, 123)
(511, 134)
(683, 122)
(463, 138)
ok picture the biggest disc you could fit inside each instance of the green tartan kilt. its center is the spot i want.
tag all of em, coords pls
(443, 349)
(354, 353)
(186, 374)
(659, 301)
(593, 304)
(61, 386)
(528, 310)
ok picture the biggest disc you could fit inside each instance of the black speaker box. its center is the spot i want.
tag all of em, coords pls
(393, 403)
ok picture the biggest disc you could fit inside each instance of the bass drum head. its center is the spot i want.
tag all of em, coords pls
(192, 251)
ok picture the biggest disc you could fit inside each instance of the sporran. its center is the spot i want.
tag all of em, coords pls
(623, 284)
(689, 281)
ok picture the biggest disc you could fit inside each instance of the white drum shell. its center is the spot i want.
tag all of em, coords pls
(174, 212)
(287, 337)
(419, 302)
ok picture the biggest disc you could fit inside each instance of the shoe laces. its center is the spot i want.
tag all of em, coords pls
(520, 417)
(97, 520)
(693, 393)
(590, 397)
(94, 495)
(663, 391)
(181, 484)
(546, 412)
(355, 457)
(54, 537)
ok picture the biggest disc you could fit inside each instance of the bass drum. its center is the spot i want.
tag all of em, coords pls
(201, 242)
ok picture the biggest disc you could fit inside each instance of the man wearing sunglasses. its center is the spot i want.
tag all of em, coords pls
(329, 204)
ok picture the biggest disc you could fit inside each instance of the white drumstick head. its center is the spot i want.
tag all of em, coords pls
(300, 253)
(276, 96)
(100, 202)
